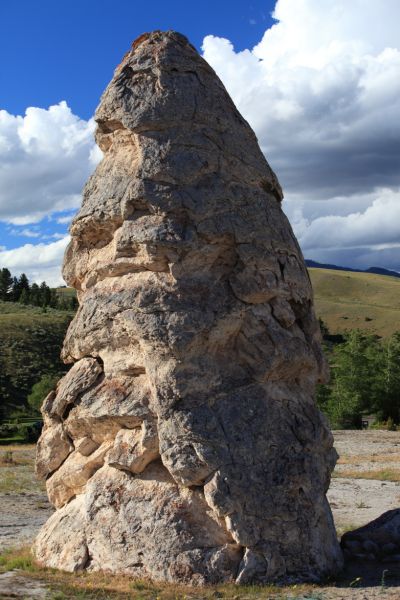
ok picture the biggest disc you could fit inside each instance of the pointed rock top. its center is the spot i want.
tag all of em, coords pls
(158, 36)
(164, 85)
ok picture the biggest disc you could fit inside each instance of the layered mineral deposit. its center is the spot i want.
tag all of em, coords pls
(184, 444)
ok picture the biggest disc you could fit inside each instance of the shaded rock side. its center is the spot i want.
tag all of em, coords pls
(190, 446)
(378, 540)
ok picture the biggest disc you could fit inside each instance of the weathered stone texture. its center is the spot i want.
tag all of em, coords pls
(378, 540)
(190, 447)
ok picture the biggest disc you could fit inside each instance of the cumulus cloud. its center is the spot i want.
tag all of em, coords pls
(322, 91)
(45, 158)
(40, 262)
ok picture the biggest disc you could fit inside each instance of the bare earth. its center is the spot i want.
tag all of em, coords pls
(23, 501)
(366, 483)
(354, 501)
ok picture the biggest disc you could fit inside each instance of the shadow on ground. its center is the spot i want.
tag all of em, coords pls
(370, 574)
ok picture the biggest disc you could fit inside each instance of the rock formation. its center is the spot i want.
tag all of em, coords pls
(378, 540)
(184, 444)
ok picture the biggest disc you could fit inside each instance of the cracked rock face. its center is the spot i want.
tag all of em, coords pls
(184, 444)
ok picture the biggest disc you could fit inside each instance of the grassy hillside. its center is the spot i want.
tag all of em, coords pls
(30, 342)
(67, 291)
(345, 300)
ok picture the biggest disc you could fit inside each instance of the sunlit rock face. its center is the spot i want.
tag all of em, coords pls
(184, 444)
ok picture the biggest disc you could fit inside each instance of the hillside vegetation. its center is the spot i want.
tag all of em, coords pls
(345, 300)
(30, 342)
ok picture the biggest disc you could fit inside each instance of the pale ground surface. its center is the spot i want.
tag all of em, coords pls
(23, 501)
(354, 500)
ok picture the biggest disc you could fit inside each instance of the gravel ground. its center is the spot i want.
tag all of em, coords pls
(21, 517)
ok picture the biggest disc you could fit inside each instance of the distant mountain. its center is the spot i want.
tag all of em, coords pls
(375, 270)
(381, 271)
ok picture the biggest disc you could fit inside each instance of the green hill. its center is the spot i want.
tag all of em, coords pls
(345, 300)
(30, 342)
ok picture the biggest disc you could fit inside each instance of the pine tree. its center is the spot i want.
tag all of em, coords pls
(54, 300)
(6, 282)
(24, 297)
(15, 292)
(387, 397)
(35, 294)
(354, 388)
(45, 294)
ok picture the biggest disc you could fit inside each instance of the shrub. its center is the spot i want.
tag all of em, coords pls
(390, 425)
(41, 389)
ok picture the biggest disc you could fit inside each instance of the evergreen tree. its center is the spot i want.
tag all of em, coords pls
(73, 303)
(54, 299)
(45, 294)
(387, 372)
(35, 294)
(15, 292)
(19, 286)
(6, 282)
(23, 283)
(24, 297)
(353, 387)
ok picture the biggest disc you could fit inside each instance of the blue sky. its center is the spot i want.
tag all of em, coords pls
(319, 83)
(68, 50)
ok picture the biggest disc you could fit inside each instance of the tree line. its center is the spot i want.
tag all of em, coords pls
(365, 379)
(19, 289)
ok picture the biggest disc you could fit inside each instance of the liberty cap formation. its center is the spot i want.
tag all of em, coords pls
(184, 444)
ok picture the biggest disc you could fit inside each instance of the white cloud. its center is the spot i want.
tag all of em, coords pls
(65, 220)
(322, 91)
(45, 158)
(377, 225)
(31, 233)
(40, 262)
(368, 237)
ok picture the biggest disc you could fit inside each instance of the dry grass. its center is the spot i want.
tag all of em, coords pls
(96, 586)
(346, 300)
(16, 470)
(378, 474)
(20, 448)
(18, 480)
(344, 528)
(14, 456)
(365, 458)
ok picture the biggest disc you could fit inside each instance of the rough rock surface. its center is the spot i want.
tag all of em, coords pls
(190, 446)
(378, 540)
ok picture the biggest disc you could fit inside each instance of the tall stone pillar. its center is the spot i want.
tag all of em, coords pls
(184, 444)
